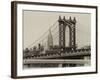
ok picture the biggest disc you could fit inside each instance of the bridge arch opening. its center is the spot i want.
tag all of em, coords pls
(67, 36)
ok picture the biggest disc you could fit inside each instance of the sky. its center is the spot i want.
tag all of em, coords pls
(36, 23)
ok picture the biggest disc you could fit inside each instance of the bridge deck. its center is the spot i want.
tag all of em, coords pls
(62, 55)
(57, 61)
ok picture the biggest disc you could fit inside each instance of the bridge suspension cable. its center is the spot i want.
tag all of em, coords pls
(42, 38)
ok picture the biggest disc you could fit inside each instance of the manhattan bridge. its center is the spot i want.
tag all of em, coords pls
(50, 49)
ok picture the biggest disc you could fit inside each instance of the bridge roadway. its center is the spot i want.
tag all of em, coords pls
(70, 55)
(57, 61)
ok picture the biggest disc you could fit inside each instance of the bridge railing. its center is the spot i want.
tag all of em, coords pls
(57, 53)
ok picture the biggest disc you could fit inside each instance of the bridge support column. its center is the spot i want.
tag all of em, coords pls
(89, 63)
(60, 65)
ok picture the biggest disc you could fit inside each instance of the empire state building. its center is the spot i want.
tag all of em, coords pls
(50, 40)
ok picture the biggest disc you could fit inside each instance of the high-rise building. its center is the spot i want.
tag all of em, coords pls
(50, 40)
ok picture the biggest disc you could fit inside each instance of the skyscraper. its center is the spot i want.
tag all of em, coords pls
(50, 40)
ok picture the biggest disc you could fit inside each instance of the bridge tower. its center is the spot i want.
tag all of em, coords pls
(71, 24)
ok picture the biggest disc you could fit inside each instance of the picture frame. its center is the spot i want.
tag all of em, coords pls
(40, 47)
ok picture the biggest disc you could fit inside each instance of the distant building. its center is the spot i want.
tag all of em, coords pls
(50, 40)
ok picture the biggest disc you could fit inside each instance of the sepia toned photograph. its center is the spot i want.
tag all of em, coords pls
(52, 39)
(56, 39)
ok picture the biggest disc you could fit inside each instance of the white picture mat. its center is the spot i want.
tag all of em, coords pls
(42, 71)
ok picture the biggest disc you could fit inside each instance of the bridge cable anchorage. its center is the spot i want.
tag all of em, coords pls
(39, 39)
